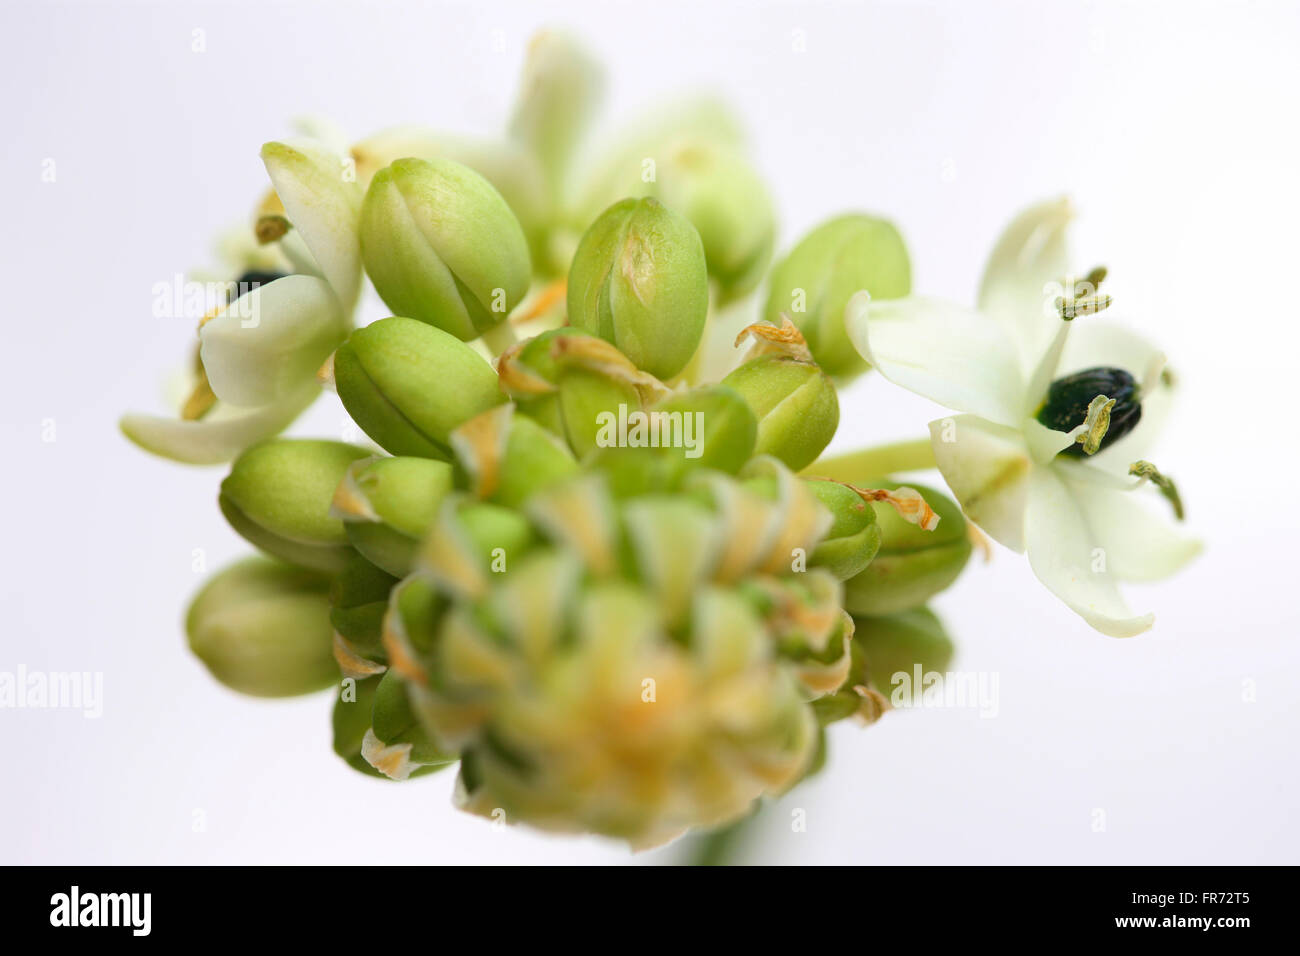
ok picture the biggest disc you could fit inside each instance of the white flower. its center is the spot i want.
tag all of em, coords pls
(260, 352)
(1075, 516)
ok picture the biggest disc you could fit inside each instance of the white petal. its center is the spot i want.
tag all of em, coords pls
(322, 199)
(216, 438)
(1140, 543)
(1099, 342)
(269, 342)
(949, 354)
(987, 468)
(1023, 277)
(1067, 555)
(1045, 443)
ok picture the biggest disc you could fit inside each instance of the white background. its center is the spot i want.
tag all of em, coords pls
(1172, 125)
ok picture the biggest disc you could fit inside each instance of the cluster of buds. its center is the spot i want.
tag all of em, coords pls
(620, 598)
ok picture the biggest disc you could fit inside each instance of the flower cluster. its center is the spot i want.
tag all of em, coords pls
(620, 598)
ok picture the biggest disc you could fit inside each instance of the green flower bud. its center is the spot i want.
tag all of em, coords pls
(351, 722)
(710, 427)
(559, 92)
(470, 542)
(714, 186)
(358, 600)
(505, 457)
(263, 628)
(530, 375)
(576, 383)
(395, 744)
(409, 385)
(899, 643)
(640, 282)
(718, 190)
(814, 283)
(913, 564)
(441, 245)
(854, 535)
(795, 402)
(387, 505)
(278, 495)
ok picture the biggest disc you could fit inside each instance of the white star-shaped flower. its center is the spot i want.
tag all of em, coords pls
(1024, 483)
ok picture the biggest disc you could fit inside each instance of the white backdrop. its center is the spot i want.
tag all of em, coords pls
(1172, 125)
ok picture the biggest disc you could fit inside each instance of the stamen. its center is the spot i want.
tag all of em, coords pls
(1089, 284)
(1148, 472)
(1087, 305)
(1096, 424)
(270, 228)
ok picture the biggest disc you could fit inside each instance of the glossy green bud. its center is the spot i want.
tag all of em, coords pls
(395, 744)
(854, 535)
(262, 628)
(353, 706)
(708, 427)
(814, 283)
(388, 504)
(640, 282)
(278, 496)
(794, 400)
(409, 385)
(441, 245)
(913, 564)
(899, 643)
(358, 601)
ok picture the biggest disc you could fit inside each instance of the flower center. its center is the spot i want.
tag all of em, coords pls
(1068, 398)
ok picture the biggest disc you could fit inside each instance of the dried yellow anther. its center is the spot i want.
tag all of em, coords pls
(872, 706)
(517, 380)
(351, 664)
(597, 355)
(785, 340)
(909, 504)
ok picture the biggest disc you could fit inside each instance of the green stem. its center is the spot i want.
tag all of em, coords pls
(858, 466)
(500, 337)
